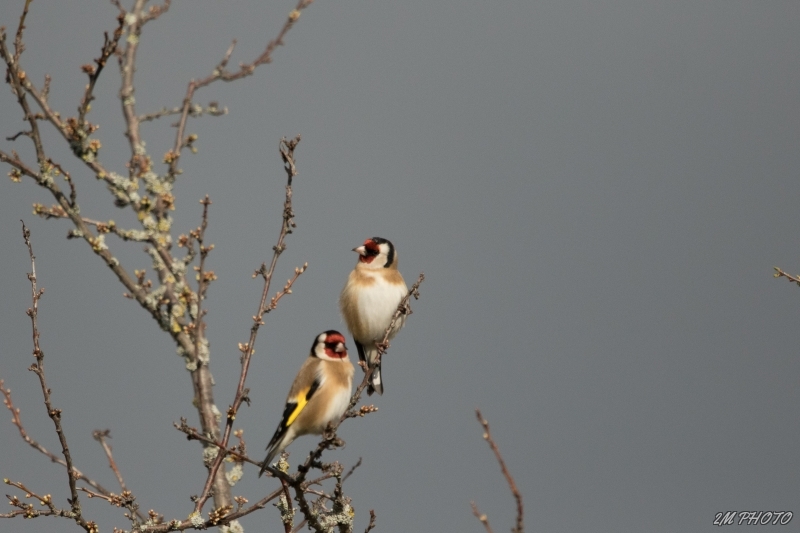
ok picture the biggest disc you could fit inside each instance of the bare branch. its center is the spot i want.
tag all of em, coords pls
(330, 440)
(109, 47)
(195, 111)
(193, 434)
(189, 523)
(221, 73)
(27, 510)
(781, 274)
(482, 517)
(38, 369)
(19, 82)
(287, 151)
(519, 528)
(371, 524)
(127, 67)
(17, 421)
(101, 436)
(402, 309)
(19, 47)
(352, 469)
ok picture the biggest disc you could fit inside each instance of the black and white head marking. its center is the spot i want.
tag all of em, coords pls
(329, 346)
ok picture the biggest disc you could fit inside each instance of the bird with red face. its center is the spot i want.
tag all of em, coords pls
(320, 393)
(369, 300)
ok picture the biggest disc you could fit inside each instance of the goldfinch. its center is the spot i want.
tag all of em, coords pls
(319, 395)
(369, 300)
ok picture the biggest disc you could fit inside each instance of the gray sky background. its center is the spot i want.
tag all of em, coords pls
(597, 192)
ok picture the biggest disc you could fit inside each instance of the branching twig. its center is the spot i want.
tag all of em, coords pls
(221, 73)
(125, 499)
(193, 434)
(192, 523)
(519, 528)
(329, 439)
(17, 421)
(109, 47)
(287, 151)
(38, 369)
(27, 510)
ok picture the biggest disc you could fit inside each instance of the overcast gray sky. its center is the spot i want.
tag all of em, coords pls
(597, 192)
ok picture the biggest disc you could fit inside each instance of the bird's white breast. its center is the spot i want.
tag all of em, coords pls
(338, 405)
(377, 304)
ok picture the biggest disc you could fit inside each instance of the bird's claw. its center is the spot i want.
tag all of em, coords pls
(382, 346)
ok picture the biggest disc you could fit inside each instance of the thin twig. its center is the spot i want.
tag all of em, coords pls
(127, 67)
(371, 524)
(329, 438)
(182, 525)
(221, 73)
(193, 434)
(781, 274)
(482, 517)
(402, 309)
(352, 469)
(287, 151)
(19, 47)
(196, 111)
(17, 421)
(203, 278)
(519, 528)
(38, 369)
(101, 436)
(27, 510)
(109, 47)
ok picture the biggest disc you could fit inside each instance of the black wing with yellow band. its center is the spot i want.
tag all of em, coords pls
(293, 408)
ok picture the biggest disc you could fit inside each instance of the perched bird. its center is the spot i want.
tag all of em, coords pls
(370, 299)
(319, 395)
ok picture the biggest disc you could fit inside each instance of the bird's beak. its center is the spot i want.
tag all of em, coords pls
(360, 250)
(340, 348)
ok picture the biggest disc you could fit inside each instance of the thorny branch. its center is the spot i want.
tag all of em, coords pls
(38, 369)
(519, 527)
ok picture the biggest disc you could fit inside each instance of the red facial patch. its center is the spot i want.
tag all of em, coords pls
(366, 258)
(333, 338)
(330, 346)
(372, 246)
